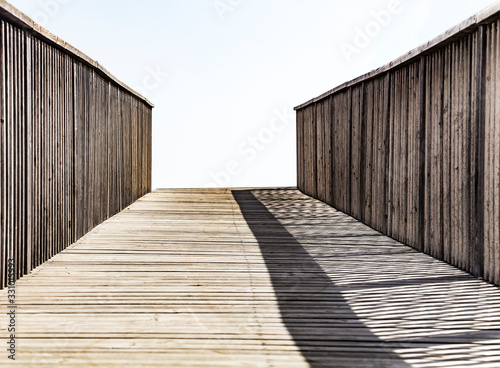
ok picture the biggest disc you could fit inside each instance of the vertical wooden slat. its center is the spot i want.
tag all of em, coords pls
(479, 192)
(471, 259)
(320, 156)
(313, 152)
(403, 156)
(425, 135)
(489, 131)
(422, 159)
(378, 155)
(65, 149)
(27, 102)
(413, 154)
(496, 246)
(368, 151)
(52, 157)
(391, 155)
(356, 151)
(461, 152)
(387, 154)
(119, 148)
(362, 153)
(327, 150)
(492, 165)
(397, 157)
(346, 154)
(429, 143)
(3, 164)
(467, 154)
(17, 163)
(447, 152)
(11, 225)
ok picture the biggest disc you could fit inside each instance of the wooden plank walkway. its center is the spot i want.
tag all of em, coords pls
(248, 278)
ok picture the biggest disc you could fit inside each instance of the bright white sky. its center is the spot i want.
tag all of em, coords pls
(225, 74)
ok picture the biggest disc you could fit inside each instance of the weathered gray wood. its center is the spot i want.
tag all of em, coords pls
(250, 278)
(421, 149)
(340, 150)
(328, 149)
(367, 149)
(391, 152)
(397, 173)
(310, 151)
(423, 61)
(413, 137)
(479, 182)
(446, 141)
(321, 143)
(492, 162)
(3, 163)
(378, 169)
(362, 153)
(62, 132)
(356, 151)
(386, 124)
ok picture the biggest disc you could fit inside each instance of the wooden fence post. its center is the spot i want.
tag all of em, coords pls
(480, 151)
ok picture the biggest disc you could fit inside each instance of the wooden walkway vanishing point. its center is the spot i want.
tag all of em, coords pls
(249, 278)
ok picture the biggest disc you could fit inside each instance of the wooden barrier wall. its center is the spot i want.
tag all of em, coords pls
(75, 148)
(413, 149)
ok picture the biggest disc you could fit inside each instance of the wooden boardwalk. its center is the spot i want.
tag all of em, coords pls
(248, 278)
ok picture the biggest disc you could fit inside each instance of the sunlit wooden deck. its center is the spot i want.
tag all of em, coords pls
(249, 278)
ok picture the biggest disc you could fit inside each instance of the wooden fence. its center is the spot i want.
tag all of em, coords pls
(75, 144)
(413, 149)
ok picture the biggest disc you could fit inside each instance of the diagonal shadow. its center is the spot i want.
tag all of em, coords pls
(323, 326)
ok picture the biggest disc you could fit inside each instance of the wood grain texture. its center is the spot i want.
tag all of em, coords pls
(421, 150)
(249, 278)
(62, 161)
(492, 159)
(355, 159)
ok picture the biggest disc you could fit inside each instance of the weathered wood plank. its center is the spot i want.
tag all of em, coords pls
(356, 150)
(3, 162)
(478, 148)
(447, 154)
(60, 132)
(493, 201)
(367, 148)
(403, 157)
(414, 127)
(321, 143)
(439, 159)
(249, 278)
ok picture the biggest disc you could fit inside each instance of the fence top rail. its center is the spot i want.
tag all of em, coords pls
(486, 16)
(21, 20)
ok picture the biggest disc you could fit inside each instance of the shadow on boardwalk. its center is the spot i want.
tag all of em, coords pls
(324, 327)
